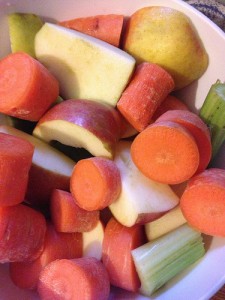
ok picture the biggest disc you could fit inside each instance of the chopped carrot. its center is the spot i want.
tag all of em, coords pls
(199, 130)
(166, 152)
(81, 278)
(203, 202)
(28, 89)
(127, 130)
(15, 160)
(67, 216)
(57, 245)
(95, 183)
(118, 242)
(104, 27)
(22, 233)
(147, 89)
(170, 103)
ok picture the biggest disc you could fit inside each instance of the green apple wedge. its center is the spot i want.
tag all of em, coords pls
(81, 123)
(86, 67)
(141, 200)
(50, 169)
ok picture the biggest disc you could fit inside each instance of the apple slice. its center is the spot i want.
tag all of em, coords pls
(83, 124)
(92, 241)
(141, 200)
(50, 169)
(86, 67)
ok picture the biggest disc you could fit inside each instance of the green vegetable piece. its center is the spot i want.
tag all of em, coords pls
(212, 113)
(22, 30)
(160, 260)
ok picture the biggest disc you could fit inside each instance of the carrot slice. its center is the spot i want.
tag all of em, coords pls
(82, 278)
(15, 160)
(95, 183)
(118, 242)
(104, 27)
(170, 103)
(147, 89)
(27, 88)
(22, 233)
(67, 216)
(199, 130)
(203, 202)
(166, 152)
(57, 246)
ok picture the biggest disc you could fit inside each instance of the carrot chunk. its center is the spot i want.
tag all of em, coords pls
(166, 152)
(82, 278)
(118, 242)
(22, 233)
(27, 88)
(203, 202)
(95, 183)
(199, 130)
(147, 89)
(67, 216)
(104, 27)
(15, 162)
(57, 245)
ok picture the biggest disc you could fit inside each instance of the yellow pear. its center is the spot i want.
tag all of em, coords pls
(167, 37)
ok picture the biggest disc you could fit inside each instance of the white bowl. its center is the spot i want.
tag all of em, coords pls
(207, 276)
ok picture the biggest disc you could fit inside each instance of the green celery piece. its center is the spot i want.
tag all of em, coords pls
(22, 30)
(158, 261)
(212, 113)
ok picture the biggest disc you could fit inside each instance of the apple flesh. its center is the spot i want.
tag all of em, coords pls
(83, 124)
(50, 169)
(86, 67)
(141, 200)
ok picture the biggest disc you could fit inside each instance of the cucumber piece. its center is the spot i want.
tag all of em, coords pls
(212, 113)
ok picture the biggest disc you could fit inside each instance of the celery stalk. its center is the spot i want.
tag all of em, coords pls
(158, 261)
(213, 114)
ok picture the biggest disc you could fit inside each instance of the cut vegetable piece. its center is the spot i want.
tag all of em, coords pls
(194, 124)
(82, 278)
(15, 163)
(81, 123)
(159, 261)
(57, 245)
(97, 70)
(141, 200)
(22, 233)
(50, 169)
(212, 113)
(203, 202)
(118, 242)
(168, 222)
(27, 88)
(147, 89)
(166, 152)
(22, 30)
(95, 183)
(67, 216)
(107, 28)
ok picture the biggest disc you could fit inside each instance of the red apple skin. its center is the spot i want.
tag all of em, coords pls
(100, 119)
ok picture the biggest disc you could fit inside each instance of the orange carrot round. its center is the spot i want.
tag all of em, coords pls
(82, 278)
(104, 27)
(117, 244)
(95, 183)
(203, 202)
(67, 216)
(166, 152)
(27, 88)
(22, 233)
(15, 162)
(199, 130)
(57, 245)
(147, 89)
